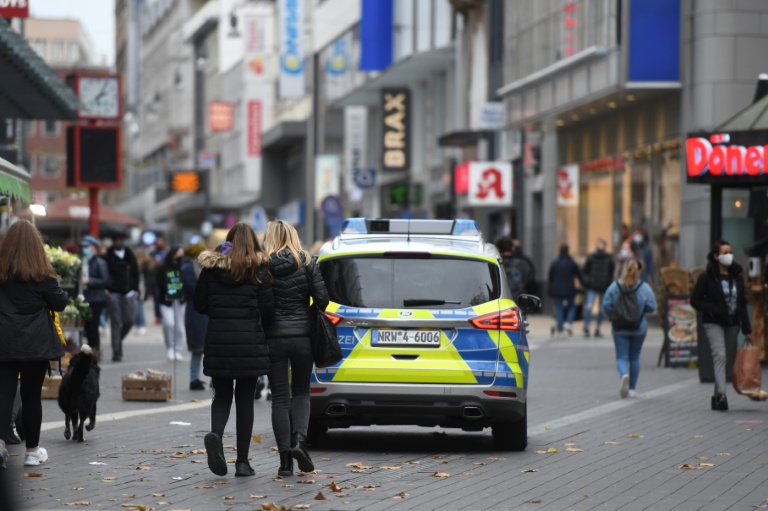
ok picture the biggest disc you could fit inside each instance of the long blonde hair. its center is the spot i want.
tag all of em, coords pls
(630, 274)
(282, 236)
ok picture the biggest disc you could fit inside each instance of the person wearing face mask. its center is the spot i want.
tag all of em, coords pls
(95, 280)
(645, 255)
(719, 296)
(624, 255)
(123, 292)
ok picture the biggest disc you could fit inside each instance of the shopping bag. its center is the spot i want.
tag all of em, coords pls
(747, 374)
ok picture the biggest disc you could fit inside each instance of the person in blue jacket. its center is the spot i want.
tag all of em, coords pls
(628, 343)
(196, 324)
(562, 287)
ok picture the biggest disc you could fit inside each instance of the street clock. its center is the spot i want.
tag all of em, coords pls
(100, 96)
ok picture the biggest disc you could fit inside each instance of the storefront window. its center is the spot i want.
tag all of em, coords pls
(738, 225)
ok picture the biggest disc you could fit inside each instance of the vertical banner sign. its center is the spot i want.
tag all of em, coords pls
(396, 109)
(490, 183)
(254, 128)
(258, 38)
(291, 20)
(568, 186)
(326, 177)
(355, 143)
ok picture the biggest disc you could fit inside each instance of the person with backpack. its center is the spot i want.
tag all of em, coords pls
(720, 296)
(598, 275)
(512, 266)
(562, 286)
(626, 302)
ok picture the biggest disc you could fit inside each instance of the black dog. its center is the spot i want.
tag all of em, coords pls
(79, 392)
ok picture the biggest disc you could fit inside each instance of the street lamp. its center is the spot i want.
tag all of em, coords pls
(37, 210)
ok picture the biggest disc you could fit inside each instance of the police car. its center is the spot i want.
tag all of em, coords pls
(429, 331)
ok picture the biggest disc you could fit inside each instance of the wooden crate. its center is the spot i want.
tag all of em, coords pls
(154, 389)
(51, 387)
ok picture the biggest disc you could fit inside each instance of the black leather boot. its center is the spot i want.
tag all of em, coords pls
(720, 402)
(300, 453)
(243, 469)
(286, 464)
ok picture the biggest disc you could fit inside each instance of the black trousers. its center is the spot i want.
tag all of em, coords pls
(244, 391)
(92, 326)
(32, 377)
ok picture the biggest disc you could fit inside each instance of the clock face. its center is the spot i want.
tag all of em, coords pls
(100, 97)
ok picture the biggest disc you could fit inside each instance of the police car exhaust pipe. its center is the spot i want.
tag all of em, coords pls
(473, 412)
(336, 410)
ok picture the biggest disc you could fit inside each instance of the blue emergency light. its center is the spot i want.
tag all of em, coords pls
(460, 227)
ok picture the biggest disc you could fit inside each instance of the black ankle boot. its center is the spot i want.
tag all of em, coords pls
(301, 454)
(720, 402)
(243, 469)
(286, 464)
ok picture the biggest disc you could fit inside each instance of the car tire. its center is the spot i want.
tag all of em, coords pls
(315, 432)
(511, 436)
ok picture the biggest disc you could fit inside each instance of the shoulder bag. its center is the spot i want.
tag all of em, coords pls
(326, 350)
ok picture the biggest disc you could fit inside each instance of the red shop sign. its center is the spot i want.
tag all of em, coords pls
(221, 116)
(724, 160)
(14, 9)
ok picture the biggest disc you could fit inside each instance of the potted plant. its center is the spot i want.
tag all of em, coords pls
(66, 265)
(76, 313)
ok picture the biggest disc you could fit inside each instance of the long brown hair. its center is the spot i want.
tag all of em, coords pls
(630, 274)
(22, 256)
(246, 257)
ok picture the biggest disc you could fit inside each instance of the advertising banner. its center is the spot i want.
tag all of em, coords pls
(258, 41)
(221, 116)
(680, 331)
(291, 26)
(490, 183)
(254, 127)
(568, 186)
(337, 64)
(355, 144)
(327, 170)
(396, 108)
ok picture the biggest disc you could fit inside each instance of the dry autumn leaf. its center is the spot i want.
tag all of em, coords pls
(529, 470)
(437, 457)
(702, 458)
(536, 501)
(274, 448)
(552, 450)
(221, 482)
(541, 452)
(161, 503)
(341, 495)
(497, 459)
(325, 459)
(228, 498)
(686, 466)
(574, 449)
(79, 488)
(334, 487)
(286, 486)
(356, 471)
(636, 436)
(412, 462)
(698, 436)
(78, 503)
(400, 495)
(128, 495)
(358, 464)
(269, 506)
(32, 474)
(252, 496)
(569, 444)
(302, 506)
(256, 439)
(158, 494)
(206, 487)
(706, 464)
(391, 468)
(108, 479)
(144, 468)
(319, 496)
(612, 443)
(481, 463)
(441, 474)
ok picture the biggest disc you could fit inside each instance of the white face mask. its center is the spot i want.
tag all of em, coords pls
(625, 253)
(725, 259)
(638, 238)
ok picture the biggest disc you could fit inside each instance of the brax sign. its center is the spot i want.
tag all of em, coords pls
(396, 107)
(14, 9)
(735, 158)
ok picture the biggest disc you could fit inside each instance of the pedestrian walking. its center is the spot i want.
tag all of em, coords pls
(645, 255)
(95, 280)
(626, 302)
(157, 252)
(29, 292)
(598, 275)
(527, 267)
(172, 303)
(562, 286)
(123, 293)
(235, 291)
(195, 324)
(294, 282)
(146, 284)
(625, 254)
(518, 270)
(720, 296)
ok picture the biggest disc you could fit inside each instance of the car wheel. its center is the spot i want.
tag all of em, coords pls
(315, 432)
(511, 436)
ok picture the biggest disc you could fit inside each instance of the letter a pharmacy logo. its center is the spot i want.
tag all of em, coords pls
(490, 183)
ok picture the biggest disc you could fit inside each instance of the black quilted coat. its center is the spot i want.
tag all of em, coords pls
(290, 285)
(235, 344)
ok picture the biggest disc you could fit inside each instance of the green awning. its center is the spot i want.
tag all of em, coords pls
(14, 182)
(29, 89)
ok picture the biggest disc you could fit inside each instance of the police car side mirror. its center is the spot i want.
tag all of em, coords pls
(528, 303)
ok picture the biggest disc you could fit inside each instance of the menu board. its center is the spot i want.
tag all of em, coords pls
(680, 331)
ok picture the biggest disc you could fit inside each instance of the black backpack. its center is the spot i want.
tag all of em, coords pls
(626, 313)
(515, 277)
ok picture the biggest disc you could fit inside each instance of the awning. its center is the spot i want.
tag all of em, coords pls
(754, 117)
(76, 210)
(29, 89)
(14, 181)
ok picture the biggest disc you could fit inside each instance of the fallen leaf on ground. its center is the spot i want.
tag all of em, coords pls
(574, 449)
(164, 503)
(108, 479)
(286, 485)
(268, 506)
(357, 464)
(535, 501)
(552, 450)
(702, 458)
(360, 471)
(206, 487)
(528, 470)
(569, 444)
(441, 474)
(325, 459)
(686, 466)
(698, 436)
(32, 474)
(78, 503)
(636, 436)
(144, 468)
(334, 487)
(541, 452)
(196, 461)
(497, 459)
(319, 496)
(199, 451)
(340, 495)
(182, 446)
(256, 439)
(400, 495)
(228, 498)
(178, 455)
(158, 494)
(412, 462)
(481, 463)
(128, 495)
(307, 481)
(437, 457)
(252, 496)
(274, 448)
(79, 488)
(706, 464)
(612, 443)
(302, 506)
(391, 468)
(195, 400)
(221, 482)
(723, 454)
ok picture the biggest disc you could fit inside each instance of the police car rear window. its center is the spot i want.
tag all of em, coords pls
(402, 282)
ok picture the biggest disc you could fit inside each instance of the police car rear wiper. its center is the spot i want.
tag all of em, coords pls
(414, 302)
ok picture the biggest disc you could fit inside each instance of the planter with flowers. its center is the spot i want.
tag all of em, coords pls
(66, 265)
(76, 313)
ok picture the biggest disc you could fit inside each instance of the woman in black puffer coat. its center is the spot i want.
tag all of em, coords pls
(295, 279)
(235, 291)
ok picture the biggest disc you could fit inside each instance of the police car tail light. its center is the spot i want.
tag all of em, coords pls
(334, 318)
(507, 319)
(317, 390)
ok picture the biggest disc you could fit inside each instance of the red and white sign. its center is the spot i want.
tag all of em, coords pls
(725, 160)
(461, 178)
(254, 128)
(14, 9)
(490, 183)
(568, 186)
(221, 116)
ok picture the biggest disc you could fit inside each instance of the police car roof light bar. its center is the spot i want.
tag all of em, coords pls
(363, 226)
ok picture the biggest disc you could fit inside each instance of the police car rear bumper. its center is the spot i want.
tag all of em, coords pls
(460, 406)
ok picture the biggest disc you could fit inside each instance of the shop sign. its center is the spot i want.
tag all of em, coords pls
(185, 181)
(396, 108)
(606, 164)
(258, 36)
(724, 160)
(221, 116)
(291, 20)
(461, 178)
(327, 170)
(490, 116)
(365, 178)
(14, 9)
(490, 183)
(568, 186)
(254, 128)
(355, 144)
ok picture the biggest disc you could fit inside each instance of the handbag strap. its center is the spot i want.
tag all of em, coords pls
(309, 278)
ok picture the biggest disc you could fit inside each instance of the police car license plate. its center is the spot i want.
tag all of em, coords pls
(425, 338)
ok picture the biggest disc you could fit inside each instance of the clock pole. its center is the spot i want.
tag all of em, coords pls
(93, 219)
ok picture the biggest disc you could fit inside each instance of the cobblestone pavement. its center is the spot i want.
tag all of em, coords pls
(611, 453)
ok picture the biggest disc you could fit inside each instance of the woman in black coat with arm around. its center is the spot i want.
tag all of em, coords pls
(235, 291)
(296, 279)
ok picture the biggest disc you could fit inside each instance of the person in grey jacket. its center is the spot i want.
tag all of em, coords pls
(95, 280)
(628, 343)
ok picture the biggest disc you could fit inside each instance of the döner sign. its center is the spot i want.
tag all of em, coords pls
(722, 160)
(396, 148)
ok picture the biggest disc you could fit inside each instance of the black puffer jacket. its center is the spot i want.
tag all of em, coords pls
(709, 299)
(290, 285)
(235, 344)
(28, 332)
(598, 271)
